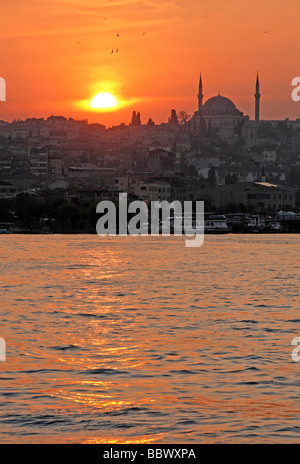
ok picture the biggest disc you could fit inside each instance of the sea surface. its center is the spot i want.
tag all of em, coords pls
(142, 340)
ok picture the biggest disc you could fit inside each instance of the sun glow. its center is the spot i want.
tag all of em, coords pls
(104, 100)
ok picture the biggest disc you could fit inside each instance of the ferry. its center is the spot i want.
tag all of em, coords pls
(213, 224)
(216, 224)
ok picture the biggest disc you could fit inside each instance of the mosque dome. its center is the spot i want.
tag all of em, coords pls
(219, 104)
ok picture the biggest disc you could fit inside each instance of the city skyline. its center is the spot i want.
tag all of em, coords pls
(201, 102)
(148, 55)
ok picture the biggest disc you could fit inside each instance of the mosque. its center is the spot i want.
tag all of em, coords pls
(219, 115)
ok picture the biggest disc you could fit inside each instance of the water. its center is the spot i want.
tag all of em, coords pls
(142, 340)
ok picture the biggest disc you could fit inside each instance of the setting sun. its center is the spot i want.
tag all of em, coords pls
(103, 100)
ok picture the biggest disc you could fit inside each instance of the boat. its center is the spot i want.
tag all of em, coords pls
(190, 224)
(253, 223)
(216, 224)
(289, 221)
(6, 227)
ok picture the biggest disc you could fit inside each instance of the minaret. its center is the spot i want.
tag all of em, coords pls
(200, 94)
(257, 98)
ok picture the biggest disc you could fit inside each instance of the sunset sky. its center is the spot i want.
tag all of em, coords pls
(56, 55)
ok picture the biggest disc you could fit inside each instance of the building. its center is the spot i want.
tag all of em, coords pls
(38, 161)
(152, 190)
(97, 194)
(8, 190)
(266, 157)
(56, 168)
(90, 171)
(261, 195)
(248, 173)
(160, 159)
(13, 163)
(220, 116)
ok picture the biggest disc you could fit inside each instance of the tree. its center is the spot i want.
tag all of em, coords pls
(183, 117)
(138, 119)
(212, 180)
(24, 206)
(174, 118)
(150, 123)
(6, 214)
(133, 119)
(231, 179)
(74, 217)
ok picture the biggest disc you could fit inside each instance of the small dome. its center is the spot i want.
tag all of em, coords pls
(219, 103)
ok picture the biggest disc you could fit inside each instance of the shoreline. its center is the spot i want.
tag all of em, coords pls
(149, 235)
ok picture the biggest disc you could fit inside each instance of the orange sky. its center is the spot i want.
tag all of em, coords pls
(57, 53)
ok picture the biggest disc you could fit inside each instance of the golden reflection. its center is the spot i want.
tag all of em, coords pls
(99, 401)
(156, 438)
(192, 337)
